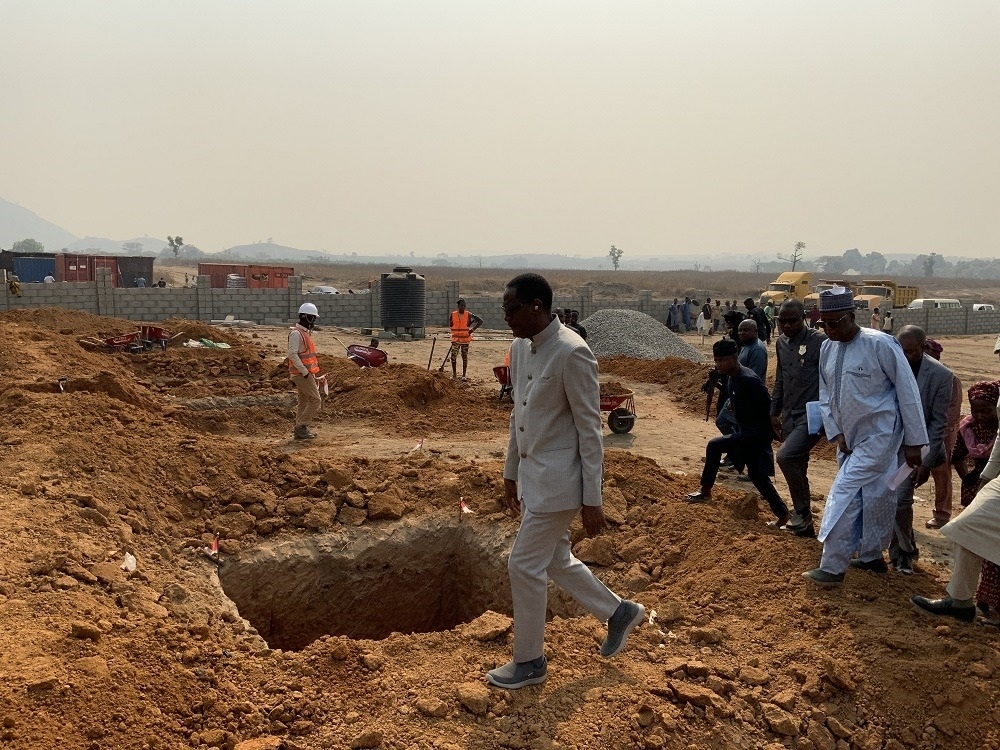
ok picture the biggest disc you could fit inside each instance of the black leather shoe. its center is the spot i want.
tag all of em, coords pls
(822, 578)
(875, 566)
(696, 497)
(806, 532)
(945, 607)
(904, 565)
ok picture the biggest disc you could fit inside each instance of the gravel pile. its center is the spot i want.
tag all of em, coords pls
(634, 334)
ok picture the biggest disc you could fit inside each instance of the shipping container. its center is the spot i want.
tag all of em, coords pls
(7, 258)
(132, 267)
(71, 267)
(257, 276)
(30, 270)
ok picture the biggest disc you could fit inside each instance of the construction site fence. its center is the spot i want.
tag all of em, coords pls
(280, 306)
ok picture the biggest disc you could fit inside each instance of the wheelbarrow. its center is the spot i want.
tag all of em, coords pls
(155, 336)
(366, 356)
(622, 411)
(503, 378)
(125, 342)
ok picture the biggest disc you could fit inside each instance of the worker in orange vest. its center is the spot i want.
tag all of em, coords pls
(303, 367)
(462, 324)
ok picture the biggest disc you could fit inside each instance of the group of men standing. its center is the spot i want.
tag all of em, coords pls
(882, 402)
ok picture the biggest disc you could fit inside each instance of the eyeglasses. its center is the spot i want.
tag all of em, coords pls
(509, 310)
(835, 323)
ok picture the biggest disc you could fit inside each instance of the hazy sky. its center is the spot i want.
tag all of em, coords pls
(475, 126)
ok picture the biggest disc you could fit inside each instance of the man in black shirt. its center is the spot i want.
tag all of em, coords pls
(752, 441)
(796, 382)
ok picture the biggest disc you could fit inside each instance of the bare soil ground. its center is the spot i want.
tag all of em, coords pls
(390, 603)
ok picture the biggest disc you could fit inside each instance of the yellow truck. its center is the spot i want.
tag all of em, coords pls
(812, 299)
(788, 285)
(883, 293)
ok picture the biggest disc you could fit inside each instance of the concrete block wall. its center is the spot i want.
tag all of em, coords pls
(362, 310)
(73, 296)
(955, 321)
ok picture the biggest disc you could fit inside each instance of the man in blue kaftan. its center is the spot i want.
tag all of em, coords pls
(871, 407)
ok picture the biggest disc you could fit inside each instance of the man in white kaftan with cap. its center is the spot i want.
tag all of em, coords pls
(871, 407)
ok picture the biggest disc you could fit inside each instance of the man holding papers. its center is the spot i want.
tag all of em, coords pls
(871, 408)
(934, 383)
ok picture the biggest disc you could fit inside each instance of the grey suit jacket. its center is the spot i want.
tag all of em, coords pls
(935, 383)
(555, 452)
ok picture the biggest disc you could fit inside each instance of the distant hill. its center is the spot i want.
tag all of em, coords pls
(104, 246)
(269, 251)
(18, 223)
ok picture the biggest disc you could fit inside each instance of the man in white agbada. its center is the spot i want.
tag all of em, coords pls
(871, 406)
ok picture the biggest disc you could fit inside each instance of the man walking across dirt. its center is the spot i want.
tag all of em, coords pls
(463, 324)
(941, 474)
(871, 409)
(303, 367)
(750, 442)
(934, 382)
(796, 382)
(554, 469)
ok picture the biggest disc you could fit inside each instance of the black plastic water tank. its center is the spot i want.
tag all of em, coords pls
(404, 299)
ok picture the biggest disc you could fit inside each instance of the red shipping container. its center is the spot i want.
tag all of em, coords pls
(257, 277)
(71, 267)
(268, 277)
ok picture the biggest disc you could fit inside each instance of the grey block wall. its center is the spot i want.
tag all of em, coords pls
(955, 321)
(201, 302)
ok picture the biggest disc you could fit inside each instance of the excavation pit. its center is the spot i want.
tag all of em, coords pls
(366, 583)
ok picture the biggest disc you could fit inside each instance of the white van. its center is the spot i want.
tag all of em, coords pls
(983, 308)
(920, 304)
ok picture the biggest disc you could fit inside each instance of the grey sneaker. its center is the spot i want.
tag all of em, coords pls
(622, 622)
(822, 578)
(513, 675)
(797, 522)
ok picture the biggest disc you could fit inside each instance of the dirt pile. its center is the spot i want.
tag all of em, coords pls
(739, 654)
(682, 377)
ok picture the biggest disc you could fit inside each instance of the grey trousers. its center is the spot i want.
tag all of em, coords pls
(541, 551)
(793, 460)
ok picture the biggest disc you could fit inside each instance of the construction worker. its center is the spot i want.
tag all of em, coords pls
(462, 324)
(14, 285)
(303, 367)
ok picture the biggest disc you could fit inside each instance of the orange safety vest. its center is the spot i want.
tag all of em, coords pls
(460, 325)
(307, 354)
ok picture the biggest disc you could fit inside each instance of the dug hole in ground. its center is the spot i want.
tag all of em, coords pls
(355, 605)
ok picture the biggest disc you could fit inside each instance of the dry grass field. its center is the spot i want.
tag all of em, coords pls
(610, 284)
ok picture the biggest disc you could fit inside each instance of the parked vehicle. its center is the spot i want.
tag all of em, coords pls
(884, 293)
(323, 290)
(980, 307)
(920, 304)
(788, 285)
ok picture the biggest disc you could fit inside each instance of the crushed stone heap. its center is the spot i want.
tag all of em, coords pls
(635, 334)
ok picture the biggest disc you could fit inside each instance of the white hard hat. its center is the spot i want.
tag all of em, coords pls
(308, 308)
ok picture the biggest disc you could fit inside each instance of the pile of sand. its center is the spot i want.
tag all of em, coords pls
(740, 654)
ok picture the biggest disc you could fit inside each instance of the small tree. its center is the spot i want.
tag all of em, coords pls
(27, 246)
(929, 264)
(176, 243)
(796, 255)
(616, 255)
(132, 248)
